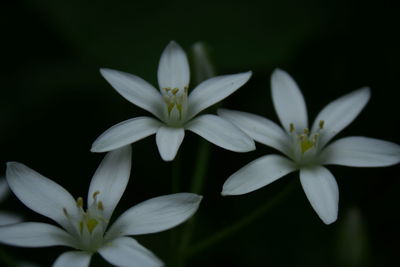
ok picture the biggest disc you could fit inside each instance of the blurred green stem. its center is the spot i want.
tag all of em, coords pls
(241, 223)
(196, 187)
(176, 173)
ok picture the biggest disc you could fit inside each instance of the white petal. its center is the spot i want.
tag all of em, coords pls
(4, 190)
(322, 191)
(33, 234)
(136, 90)
(260, 129)
(125, 133)
(110, 179)
(288, 101)
(357, 151)
(156, 214)
(9, 218)
(221, 133)
(126, 251)
(257, 174)
(39, 193)
(173, 69)
(168, 141)
(73, 258)
(214, 90)
(340, 113)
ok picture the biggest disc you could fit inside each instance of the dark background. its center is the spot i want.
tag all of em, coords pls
(54, 103)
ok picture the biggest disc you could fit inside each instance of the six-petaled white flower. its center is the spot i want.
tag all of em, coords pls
(174, 107)
(87, 230)
(307, 148)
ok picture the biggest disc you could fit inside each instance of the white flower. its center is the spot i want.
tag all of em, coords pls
(174, 108)
(87, 230)
(6, 217)
(307, 149)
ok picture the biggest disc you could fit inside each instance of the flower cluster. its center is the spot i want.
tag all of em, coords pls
(88, 227)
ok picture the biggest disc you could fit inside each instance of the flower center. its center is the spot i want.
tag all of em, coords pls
(175, 104)
(305, 144)
(89, 226)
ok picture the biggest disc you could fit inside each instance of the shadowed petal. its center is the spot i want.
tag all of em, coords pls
(168, 141)
(4, 190)
(221, 133)
(173, 69)
(288, 101)
(126, 251)
(156, 214)
(125, 133)
(322, 191)
(32, 234)
(358, 151)
(214, 90)
(257, 174)
(39, 193)
(340, 113)
(73, 258)
(260, 129)
(135, 90)
(9, 218)
(110, 179)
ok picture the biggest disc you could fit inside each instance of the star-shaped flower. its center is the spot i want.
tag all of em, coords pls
(87, 230)
(307, 149)
(174, 107)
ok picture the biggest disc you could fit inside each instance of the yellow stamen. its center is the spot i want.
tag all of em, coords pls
(175, 90)
(79, 202)
(95, 194)
(100, 205)
(292, 128)
(321, 124)
(306, 144)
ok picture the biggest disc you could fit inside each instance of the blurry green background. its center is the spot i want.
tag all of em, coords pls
(54, 103)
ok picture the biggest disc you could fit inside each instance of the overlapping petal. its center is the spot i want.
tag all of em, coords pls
(260, 129)
(125, 133)
(32, 234)
(221, 133)
(73, 258)
(358, 151)
(257, 174)
(155, 215)
(126, 251)
(340, 113)
(39, 193)
(168, 141)
(288, 101)
(135, 90)
(214, 90)
(110, 180)
(322, 191)
(173, 69)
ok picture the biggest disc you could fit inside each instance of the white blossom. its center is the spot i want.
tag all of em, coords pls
(307, 149)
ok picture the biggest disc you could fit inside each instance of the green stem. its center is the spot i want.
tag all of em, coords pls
(176, 174)
(196, 187)
(228, 231)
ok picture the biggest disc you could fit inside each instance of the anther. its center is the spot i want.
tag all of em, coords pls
(175, 90)
(321, 124)
(306, 131)
(291, 127)
(95, 194)
(100, 205)
(79, 202)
